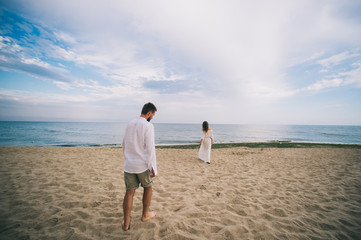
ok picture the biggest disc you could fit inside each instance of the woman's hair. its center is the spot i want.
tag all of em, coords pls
(148, 107)
(205, 126)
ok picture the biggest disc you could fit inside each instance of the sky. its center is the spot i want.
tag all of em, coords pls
(224, 61)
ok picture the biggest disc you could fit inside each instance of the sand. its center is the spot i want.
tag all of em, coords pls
(245, 193)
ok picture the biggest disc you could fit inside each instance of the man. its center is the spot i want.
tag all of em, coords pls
(140, 164)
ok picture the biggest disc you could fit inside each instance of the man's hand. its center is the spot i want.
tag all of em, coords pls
(152, 174)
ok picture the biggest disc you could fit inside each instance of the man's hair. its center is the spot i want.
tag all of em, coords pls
(148, 107)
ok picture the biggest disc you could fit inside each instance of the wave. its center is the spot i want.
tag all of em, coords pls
(90, 145)
(182, 143)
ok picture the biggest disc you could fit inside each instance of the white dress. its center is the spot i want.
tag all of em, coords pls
(205, 149)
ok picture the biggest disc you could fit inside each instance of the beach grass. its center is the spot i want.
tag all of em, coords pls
(275, 144)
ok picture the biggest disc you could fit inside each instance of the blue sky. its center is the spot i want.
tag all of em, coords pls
(247, 62)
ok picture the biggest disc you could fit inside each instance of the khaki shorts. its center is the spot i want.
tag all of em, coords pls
(132, 180)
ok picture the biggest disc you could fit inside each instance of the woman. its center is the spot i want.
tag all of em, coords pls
(206, 143)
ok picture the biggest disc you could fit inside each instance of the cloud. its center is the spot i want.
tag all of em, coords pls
(32, 66)
(339, 79)
(325, 84)
(110, 58)
(191, 53)
(40, 97)
(337, 59)
(238, 42)
(217, 40)
(18, 55)
(353, 76)
(247, 47)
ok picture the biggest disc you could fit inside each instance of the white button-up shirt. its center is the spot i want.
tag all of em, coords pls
(138, 147)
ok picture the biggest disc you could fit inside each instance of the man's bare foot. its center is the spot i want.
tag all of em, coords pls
(150, 215)
(124, 227)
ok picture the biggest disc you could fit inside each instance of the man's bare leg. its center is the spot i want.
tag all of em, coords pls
(147, 197)
(127, 208)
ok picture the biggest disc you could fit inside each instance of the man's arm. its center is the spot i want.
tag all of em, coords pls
(150, 149)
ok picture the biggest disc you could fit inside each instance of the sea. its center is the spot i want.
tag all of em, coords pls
(110, 134)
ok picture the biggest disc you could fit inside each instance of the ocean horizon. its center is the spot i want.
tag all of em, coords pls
(110, 134)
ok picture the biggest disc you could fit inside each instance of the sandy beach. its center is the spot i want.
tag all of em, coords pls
(245, 193)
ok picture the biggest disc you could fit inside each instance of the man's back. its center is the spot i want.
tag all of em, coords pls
(138, 146)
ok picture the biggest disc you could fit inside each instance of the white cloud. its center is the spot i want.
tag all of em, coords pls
(226, 51)
(64, 54)
(248, 46)
(64, 37)
(237, 41)
(353, 76)
(20, 62)
(8, 44)
(337, 59)
(326, 84)
(35, 61)
(41, 97)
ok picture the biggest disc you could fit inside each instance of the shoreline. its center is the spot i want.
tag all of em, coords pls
(276, 144)
(273, 144)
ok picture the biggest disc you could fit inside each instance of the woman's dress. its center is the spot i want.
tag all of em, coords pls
(205, 149)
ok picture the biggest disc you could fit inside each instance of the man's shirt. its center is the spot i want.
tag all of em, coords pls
(138, 147)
